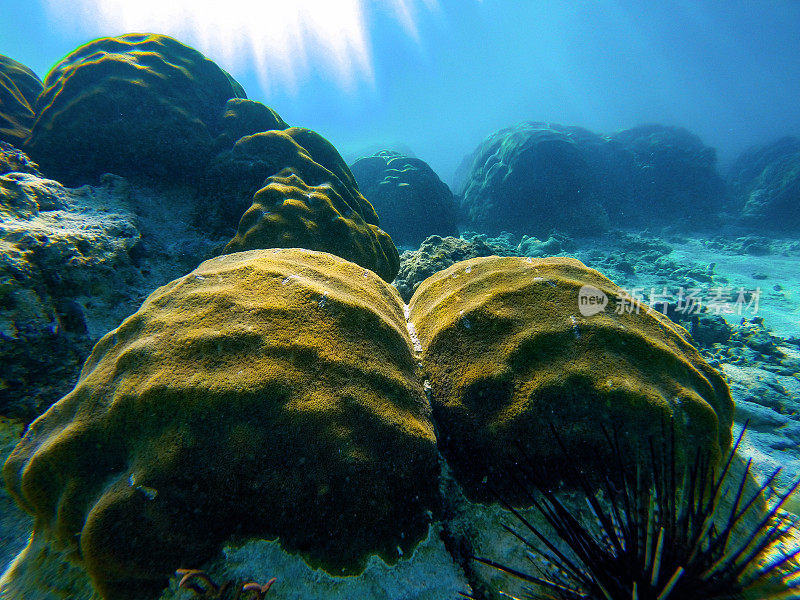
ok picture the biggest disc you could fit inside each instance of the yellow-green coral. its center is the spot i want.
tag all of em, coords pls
(137, 104)
(310, 200)
(507, 352)
(245, 117)
(269, 393)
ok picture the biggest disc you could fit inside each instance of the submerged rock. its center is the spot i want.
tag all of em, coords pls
(436, 254)
(769, 403)
(74, 262)
(673, 179)
(426, 573)
(410, 198)
(533, 178)
(539, 177)
(14, 160)
(65, 254)
(765, 182)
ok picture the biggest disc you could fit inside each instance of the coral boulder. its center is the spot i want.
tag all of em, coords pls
(534, 178)
(673, 177)
(765, 182)
(134, 105)
(269, 393)
(19, 88)
(509, 352)
(308, 198)
(410, 198)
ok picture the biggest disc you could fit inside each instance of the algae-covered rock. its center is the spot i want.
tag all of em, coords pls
(268, 394)
(19, 88)
(64, 265)
(14, 160)
(308, 198)
(410, 198)
(436, 254)
(133, 105)
(508, 352)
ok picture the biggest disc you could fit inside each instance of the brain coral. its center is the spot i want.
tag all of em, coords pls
(19, 87)
(138, 104)
(308, 199)
(267, 393)
(507, 351)
(411, 199)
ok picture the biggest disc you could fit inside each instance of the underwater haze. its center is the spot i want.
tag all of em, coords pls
(399, 300)
(437, 76)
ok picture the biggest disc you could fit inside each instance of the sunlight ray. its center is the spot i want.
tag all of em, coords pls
(283, 40)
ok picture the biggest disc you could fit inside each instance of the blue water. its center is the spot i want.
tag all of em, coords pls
(659, 145)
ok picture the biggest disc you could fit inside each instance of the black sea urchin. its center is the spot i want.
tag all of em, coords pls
(654, 538)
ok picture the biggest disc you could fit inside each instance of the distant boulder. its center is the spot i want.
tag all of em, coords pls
(534, 178)
(674, 177)
(765, 184)
(411, 200)
(352, 155)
